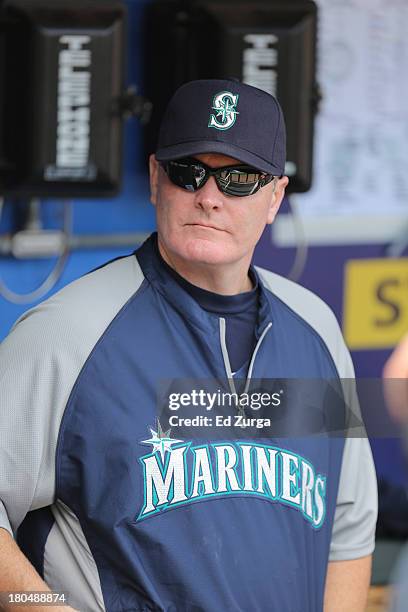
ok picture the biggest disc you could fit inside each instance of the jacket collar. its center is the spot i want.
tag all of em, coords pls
(158, 276)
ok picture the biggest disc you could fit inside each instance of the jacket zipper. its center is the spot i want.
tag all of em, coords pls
(227, 363)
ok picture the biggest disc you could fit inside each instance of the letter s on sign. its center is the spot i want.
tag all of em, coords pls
(394, 307)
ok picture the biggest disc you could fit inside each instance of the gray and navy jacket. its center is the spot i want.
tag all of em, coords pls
(121, 520)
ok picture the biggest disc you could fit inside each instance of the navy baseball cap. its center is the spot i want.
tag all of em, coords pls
(224, 116)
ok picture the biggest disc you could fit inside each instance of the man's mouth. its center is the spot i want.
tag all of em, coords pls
(205, 225)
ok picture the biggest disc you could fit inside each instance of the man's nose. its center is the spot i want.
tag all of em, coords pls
(209, 197)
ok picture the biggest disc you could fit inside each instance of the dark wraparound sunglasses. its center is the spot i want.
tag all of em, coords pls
(237, 180)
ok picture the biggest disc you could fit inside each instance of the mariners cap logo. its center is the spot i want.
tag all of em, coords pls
(224, 105)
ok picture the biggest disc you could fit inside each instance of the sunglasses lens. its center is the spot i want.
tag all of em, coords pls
(238, 182)
(186, 174)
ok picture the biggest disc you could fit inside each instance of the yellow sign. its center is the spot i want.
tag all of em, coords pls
(375, 313)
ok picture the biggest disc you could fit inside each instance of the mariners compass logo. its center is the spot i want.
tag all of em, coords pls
(224, 104)
(161, 441)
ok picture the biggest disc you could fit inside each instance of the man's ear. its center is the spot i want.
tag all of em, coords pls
(277, 198)
(154, 178)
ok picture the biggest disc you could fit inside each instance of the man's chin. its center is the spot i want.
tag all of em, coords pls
(206, 251)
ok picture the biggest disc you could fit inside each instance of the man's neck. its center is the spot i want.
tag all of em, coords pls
(224, 280)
